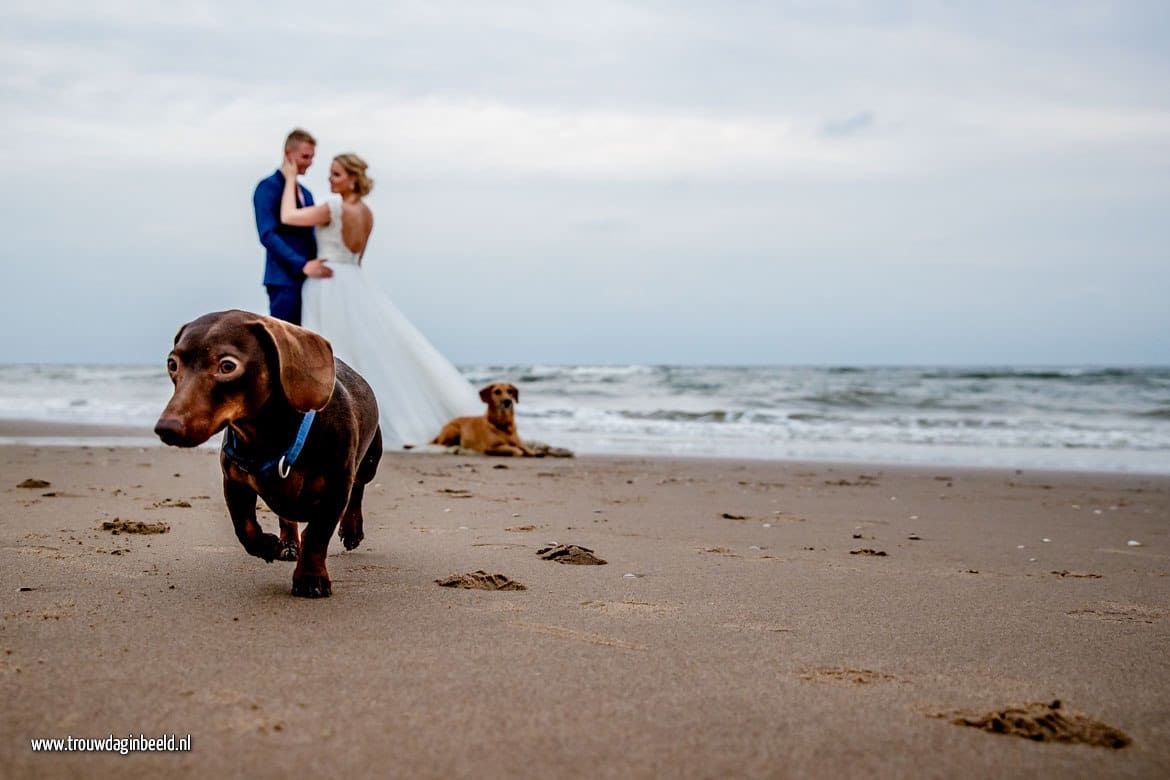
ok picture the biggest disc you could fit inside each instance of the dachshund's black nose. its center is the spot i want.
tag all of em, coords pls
(171, 430)
(506, 403)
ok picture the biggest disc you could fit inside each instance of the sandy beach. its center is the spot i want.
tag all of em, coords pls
(753, 619)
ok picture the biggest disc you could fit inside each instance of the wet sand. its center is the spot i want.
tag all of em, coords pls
(752, 619)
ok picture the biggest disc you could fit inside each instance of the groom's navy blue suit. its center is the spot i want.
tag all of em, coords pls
(287, 248)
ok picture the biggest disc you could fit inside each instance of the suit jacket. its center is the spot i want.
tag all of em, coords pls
(287, 248)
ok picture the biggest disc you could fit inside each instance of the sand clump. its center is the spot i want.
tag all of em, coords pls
(480, 580)
(120, 526)
(1045, 722)
(570, 553)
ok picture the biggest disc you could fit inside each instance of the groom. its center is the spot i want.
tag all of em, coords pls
(291, 252)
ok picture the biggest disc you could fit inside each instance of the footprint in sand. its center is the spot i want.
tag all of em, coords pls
(1044, 723)
(570, 553)
(370, 567)
(628, 608)
(843, 675)
(1119, 613)
(170, 503)
(34, 484)
(581, 636)
(480, 580)
(755, 625)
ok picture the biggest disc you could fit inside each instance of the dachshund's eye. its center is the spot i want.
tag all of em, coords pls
(227, 366)
(172, 365)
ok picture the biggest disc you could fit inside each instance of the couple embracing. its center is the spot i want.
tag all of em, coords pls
(314, 278)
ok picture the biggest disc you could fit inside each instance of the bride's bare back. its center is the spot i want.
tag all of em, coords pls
(357, 222)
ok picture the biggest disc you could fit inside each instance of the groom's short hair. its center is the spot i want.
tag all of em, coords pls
(299, 136)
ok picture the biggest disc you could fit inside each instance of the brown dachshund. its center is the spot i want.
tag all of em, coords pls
(302, 433)
(495, 432)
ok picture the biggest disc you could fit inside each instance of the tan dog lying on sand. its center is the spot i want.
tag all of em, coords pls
(495, 432)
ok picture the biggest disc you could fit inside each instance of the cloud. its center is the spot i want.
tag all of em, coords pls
(172, 120)
(613, 93)
(849, 126)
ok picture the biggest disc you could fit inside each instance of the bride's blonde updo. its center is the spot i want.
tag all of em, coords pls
(356, 167)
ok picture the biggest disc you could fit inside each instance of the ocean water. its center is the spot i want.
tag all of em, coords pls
(1110, 419)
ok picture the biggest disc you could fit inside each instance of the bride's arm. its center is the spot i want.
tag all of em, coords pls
(290, 214)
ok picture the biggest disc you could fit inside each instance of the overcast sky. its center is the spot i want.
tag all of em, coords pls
(606, 182)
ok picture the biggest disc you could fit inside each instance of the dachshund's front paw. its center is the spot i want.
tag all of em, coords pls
(289, 551)
(266, 546)
(311, 586)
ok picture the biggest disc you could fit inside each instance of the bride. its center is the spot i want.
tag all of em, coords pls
(418, 390)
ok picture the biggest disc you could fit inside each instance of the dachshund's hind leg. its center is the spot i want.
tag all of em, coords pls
(351, 532)
(290, 540)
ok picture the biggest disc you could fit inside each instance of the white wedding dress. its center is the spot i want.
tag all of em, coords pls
(418, 390)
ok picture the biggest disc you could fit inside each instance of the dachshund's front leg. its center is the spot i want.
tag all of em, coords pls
(311, 578)
(241, 502)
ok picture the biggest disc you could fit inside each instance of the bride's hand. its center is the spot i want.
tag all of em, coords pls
(288, 168)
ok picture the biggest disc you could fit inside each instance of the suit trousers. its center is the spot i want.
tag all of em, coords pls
(284, 302)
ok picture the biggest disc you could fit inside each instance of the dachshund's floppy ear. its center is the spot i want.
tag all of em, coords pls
(307, 372)
(485, 394)
(512, 391)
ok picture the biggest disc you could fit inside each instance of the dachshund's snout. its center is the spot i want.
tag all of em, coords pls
(506, 403)
(174, 432)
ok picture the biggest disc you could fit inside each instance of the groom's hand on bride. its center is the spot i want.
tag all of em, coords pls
(317, 269)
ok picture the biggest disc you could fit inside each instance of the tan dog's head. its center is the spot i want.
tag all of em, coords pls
(226, 365)
(501, 398)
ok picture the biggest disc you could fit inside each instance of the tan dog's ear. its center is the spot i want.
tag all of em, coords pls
(307, 372)
(179, 334)
(512, 391)
(485, 394)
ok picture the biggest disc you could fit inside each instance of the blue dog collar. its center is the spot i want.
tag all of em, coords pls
(264, 468)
